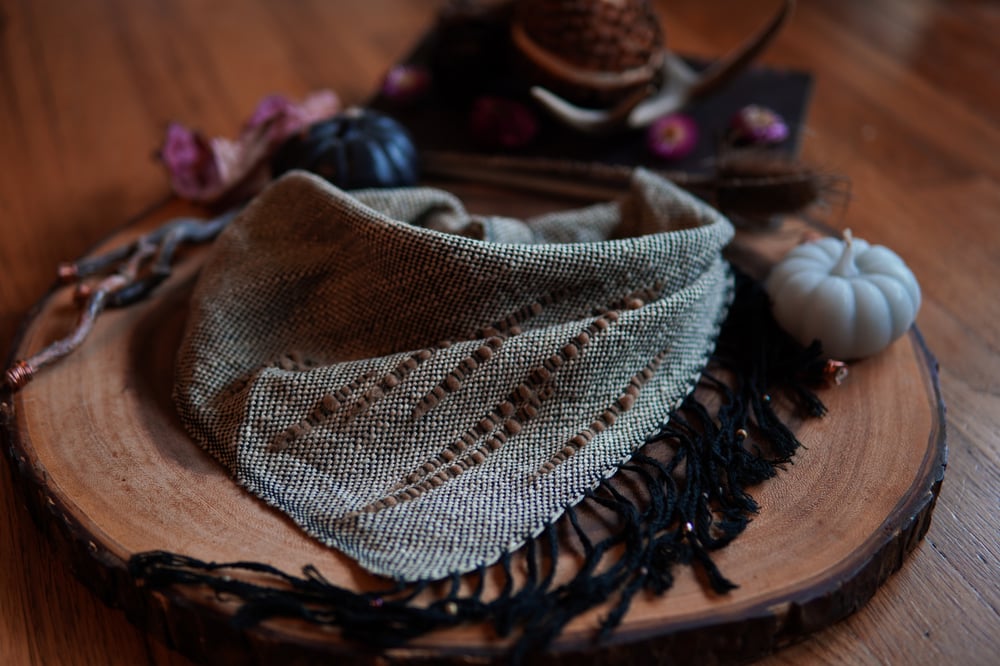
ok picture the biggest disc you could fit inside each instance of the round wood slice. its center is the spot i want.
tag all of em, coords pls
(107, 470)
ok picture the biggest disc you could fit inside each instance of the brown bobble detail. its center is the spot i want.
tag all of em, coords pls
(541, 376)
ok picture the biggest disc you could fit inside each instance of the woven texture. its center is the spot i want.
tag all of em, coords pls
(425, 390)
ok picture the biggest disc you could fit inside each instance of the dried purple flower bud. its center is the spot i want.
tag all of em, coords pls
(498, 122)
(190, 160)
(404, 84)
(758, 125)
(208, 170)
(672, 137)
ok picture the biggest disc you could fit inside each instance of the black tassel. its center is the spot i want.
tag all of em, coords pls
(693, 474)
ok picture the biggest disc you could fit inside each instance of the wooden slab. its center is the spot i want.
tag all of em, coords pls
(107, 471)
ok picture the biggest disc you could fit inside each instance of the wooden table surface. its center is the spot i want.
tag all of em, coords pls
(906, 104)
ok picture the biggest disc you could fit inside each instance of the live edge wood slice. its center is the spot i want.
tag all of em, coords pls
(107, 471)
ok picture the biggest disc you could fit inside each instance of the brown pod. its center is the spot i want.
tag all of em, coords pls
(594, 53)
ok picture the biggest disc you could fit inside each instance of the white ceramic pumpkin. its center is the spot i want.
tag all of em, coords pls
(853, 297)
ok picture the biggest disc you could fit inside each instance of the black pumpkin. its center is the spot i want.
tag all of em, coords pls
(355, 149)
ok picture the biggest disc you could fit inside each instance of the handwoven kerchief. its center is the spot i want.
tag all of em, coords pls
(425, 390)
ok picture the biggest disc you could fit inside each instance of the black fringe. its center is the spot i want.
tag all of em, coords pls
(682, 496)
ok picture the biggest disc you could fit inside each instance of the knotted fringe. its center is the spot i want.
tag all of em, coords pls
(680, 497)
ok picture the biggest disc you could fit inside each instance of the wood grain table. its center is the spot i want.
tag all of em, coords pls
(907, 105)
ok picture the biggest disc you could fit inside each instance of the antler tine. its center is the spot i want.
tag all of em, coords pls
(592, 121)
(724, 69)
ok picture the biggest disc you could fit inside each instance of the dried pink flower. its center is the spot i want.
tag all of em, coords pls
(205, 171)
(498, 122)
(405, 84)
(190, 160)
(672, 137)
(758, 125)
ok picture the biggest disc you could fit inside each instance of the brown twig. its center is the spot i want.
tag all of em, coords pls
(140, 266)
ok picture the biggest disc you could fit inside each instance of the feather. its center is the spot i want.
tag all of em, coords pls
(751, 186)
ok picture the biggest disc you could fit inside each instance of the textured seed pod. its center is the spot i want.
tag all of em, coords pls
(591, 52)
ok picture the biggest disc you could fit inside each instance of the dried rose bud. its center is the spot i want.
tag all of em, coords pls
(190, 160)
(207, 170)
(672, 137)
(404, 84)
(497, 122)
(835, 372)
(758, 125)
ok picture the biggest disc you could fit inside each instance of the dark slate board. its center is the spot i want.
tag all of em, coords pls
(439, 119)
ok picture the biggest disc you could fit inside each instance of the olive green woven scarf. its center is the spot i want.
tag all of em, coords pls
(426, 390)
